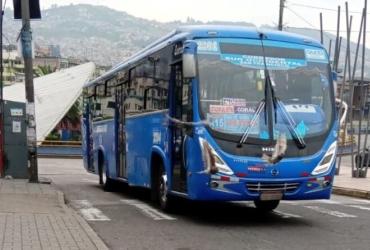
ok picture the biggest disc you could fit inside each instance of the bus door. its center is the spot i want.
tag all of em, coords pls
(87, 130)
(121, 131)
(180, 99)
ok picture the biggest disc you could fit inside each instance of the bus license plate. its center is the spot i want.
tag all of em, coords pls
(268, 196)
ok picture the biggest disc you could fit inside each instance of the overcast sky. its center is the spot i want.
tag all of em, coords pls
(258, 12)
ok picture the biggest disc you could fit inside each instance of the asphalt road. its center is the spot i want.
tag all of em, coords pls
(126, 219)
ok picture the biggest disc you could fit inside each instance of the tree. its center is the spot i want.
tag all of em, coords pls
(74, 114)
(43, 70)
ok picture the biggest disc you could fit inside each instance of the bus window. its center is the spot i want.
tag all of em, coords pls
(102, 108)
(148, 89)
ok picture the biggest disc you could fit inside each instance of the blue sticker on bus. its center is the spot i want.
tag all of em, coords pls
(301, 129)
(233, 123)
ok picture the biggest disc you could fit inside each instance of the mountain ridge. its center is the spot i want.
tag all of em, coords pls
(107, 36)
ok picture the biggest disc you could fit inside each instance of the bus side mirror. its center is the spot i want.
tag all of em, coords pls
(188, 66)
(189, 63)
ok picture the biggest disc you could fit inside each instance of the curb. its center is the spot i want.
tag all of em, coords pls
(86, 227)
(352, 192)
(55, 156)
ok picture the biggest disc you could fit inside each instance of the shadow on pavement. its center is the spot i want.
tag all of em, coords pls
(212, 213)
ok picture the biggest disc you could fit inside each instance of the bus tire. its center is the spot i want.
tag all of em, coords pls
(266, 206)
(104, 180)
(164, 198)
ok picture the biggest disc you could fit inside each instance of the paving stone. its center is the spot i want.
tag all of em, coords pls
(33, 217)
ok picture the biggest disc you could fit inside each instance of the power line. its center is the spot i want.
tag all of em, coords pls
(326, 30)
(320, 8)
(300, 17)
(310, 24)
(331, 30)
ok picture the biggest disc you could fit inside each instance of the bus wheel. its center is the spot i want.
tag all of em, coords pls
(165, 200)
(266, 206)
(104, 180)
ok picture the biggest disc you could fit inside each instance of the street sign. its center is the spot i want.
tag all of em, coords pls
(35, 12)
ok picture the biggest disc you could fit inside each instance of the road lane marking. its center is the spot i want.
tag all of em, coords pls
(90, 181)
(360, 207)
(147, 210)
(362, 201)
(327, 202)
(89, 212)
(330, 212)
(290, 202)
(93, 214)
(286, 215)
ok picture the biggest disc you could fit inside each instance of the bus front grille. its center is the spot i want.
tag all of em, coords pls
(285, 187)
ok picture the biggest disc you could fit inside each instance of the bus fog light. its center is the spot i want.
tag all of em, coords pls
(326, 183)
(214, 184)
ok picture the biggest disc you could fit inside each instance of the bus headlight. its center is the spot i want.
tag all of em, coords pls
(326, 161)
(212, 161)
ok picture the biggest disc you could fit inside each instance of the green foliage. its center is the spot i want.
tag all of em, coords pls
(43, 70)
(74, 113)
(53, 136)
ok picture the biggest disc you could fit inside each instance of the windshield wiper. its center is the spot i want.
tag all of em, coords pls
(256, 115)
(271, 99)
(291, 124)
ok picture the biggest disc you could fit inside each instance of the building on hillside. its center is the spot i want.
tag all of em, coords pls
(55, 63)
(47, 51)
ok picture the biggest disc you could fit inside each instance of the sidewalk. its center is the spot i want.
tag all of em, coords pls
(345, 184)
(34, 216)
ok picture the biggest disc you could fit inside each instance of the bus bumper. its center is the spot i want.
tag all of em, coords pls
(226, 188)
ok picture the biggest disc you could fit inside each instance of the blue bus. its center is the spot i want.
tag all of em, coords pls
(219, 113)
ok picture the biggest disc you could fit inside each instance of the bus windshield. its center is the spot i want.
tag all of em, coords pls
(232, 88)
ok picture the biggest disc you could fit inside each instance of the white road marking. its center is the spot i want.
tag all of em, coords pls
(289, 202)
(286, 215)
(360, 207)
(89, 212)
(81, 204)
(93, 214)
(327, 201)
(331, 212)
(147, 210)
(361, 201)
(90, 181)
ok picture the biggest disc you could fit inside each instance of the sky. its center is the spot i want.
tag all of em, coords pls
(298, 13)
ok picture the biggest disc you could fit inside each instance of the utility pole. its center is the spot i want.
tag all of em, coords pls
(281, 12)
(26, 40)
(1, 94)
(321, 30)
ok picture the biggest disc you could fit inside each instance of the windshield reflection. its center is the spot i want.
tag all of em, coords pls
(230, 95)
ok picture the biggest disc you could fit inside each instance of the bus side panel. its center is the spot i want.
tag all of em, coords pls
(104, 140)
(142, 132)
(85, 141)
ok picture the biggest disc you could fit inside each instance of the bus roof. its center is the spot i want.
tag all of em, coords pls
(205, 31)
